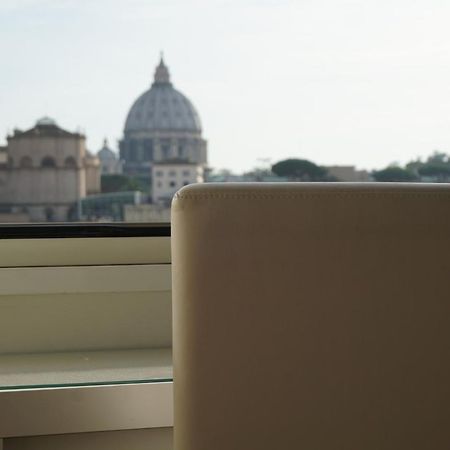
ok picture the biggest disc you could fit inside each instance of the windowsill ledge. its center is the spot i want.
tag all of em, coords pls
(26, 371)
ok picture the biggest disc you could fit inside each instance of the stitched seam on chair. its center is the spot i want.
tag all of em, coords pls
(246, 196)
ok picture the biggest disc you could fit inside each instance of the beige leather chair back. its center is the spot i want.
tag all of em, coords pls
(312, 316)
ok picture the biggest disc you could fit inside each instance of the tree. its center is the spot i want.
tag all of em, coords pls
(300, 170)
(436, 167)
(394, 173)
(438, 171)
(438, 157)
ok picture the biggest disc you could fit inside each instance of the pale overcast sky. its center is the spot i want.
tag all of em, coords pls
(354, 82)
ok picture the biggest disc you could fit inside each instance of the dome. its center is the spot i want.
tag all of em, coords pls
(105, 153)
(46, 121)
(162, 108)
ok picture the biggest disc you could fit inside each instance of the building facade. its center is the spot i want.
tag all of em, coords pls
(348, 173)
(170, 176)
(46, 173)
(161, 125)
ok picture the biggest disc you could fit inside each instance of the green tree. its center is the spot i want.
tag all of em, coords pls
(300, 170)
(435, 168)
(438, 157)
(438, 171)
(394, 173)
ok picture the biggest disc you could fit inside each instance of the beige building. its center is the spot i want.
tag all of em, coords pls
(167, 178)
(47, 171)
(348, 173)
(170, 176)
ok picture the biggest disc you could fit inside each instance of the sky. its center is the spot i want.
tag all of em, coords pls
(339, 82)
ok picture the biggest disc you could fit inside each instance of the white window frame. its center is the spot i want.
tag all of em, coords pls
(79, 409)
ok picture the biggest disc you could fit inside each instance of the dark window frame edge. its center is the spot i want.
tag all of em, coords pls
(83, 230)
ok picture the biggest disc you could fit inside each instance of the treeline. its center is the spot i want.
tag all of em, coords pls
(301, 170)
(435, 168)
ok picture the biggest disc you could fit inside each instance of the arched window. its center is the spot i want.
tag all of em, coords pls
(26, 161)
(48, 161)
(70, 162)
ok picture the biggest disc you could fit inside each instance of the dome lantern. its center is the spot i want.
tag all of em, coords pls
(46, 121)
(162, 75)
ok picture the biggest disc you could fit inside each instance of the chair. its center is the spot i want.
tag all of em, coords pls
(311, 316)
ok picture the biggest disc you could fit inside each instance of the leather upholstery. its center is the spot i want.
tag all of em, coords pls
(311, 316)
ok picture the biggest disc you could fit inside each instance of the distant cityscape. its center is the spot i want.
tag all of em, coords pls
(48, 175)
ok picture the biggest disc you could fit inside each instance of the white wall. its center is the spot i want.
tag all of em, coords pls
(169, 178)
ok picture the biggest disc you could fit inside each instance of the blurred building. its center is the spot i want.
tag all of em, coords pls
(148, 213)
(46, 172)
(348, 173)
(109, 161)
(167, 178)
(3, 155)
(108, 207)
(170, 176)
(161, 125)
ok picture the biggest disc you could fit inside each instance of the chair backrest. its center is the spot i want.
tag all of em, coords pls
(311, 316)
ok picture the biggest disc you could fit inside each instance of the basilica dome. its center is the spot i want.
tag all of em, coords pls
(162, 108)
(162, 125)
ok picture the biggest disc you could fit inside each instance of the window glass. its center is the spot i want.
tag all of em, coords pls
(312, 91)
(104, 115)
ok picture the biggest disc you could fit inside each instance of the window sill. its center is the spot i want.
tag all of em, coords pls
(65, 369)
(33, 412)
